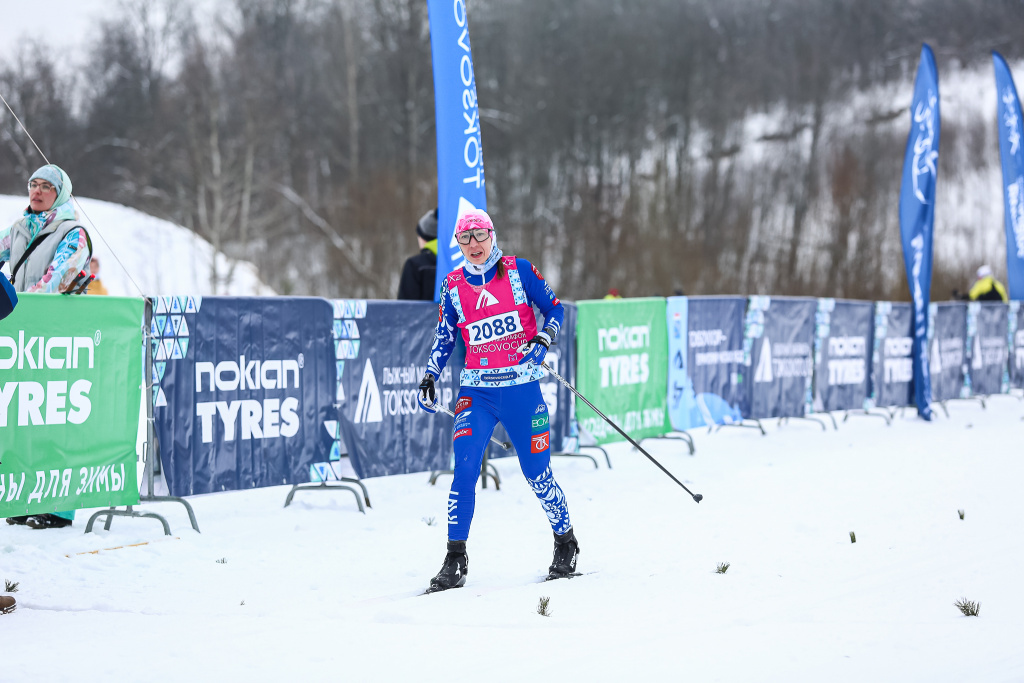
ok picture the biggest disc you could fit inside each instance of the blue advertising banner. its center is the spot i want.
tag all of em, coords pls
(1015, 338)
(379, 419)
(460, 160)
(842, 354)
(892, 363)
(682, 401)
(987, 353)
(947, 335)
(1012, 156)
(778, 340)
(714, 361)
(243, 387)
(917, 214)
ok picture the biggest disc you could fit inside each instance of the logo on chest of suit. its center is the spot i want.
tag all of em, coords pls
(485, 299)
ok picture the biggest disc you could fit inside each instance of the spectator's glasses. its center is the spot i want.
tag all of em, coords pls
(481, 235)
(40, 185)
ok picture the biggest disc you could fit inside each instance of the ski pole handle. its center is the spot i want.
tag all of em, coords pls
(504, 444)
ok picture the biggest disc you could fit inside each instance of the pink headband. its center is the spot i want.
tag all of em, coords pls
(472, 219)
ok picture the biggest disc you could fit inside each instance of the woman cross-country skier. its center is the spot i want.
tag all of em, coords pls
(490, 300)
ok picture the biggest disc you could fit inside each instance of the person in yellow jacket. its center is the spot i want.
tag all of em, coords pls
(96, 287)
(986, 287)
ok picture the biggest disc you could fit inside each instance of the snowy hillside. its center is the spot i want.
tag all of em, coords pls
(770, 148)
(317, 591)
(161, 257)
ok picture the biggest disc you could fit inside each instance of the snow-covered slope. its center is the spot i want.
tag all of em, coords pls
(319, 592)
(161, 257)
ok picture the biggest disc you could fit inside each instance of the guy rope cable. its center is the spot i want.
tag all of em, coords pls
(75, 199)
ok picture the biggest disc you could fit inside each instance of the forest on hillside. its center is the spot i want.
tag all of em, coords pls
(704, 146)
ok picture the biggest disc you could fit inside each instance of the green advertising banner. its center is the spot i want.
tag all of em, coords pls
(622, 367)
(70, 383)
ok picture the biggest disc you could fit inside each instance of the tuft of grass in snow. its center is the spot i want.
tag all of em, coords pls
(241, 603)
(961, 513)
(969, 608)
(853, 537)
(429, 521)
(542, 606)
(222, 560)
(11, 586)
(723, 567)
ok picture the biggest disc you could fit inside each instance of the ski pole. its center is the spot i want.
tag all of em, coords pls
(696, 496)
(504, 444)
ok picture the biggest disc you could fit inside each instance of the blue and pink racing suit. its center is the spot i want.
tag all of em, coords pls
(496, 318)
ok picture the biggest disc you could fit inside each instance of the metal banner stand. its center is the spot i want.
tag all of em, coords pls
(584, 455)
(486, 468)
(674, 436)
(867, 413)
(332, 485)
(147, 453)
(824, 428)
(742, 423)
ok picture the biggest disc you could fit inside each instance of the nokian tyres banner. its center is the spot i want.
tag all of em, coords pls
(892, 366)
(70, 383)
(842, 354)
(947, 333)
(243, 390)
(622, 368)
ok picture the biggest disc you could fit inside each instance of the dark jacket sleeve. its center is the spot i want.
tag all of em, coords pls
(408, 286)
(417, 283)
(8, 297)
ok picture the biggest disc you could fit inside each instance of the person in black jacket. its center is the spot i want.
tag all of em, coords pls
(420, 271)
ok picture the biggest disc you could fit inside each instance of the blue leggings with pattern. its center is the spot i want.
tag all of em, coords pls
(522, 411)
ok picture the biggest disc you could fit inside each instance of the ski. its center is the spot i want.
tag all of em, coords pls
(477, 591)
(439, 589)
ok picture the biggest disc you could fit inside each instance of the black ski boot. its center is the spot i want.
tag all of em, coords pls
(47, 521)
(453, 571)
(563, 564)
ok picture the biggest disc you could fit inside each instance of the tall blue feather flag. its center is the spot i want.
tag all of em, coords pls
(917, 214)
(1012, 155)
(460, 160)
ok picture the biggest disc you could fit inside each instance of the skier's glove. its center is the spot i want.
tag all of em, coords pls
(427, 396)
(534, 350)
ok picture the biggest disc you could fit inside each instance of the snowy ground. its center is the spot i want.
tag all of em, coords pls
(318, 591)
